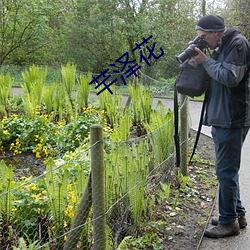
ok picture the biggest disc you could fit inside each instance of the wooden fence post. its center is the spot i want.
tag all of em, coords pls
(98, 195)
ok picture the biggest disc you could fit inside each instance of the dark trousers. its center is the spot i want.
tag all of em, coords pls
(228, 145)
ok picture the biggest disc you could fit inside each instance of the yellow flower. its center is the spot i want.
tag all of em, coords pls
(38, 156)
(69, 211)
(6, 132)
(14, 209)
(37, 196)
(73, 199)
(31, 187)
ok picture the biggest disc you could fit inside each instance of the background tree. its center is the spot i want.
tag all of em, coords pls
(21, 26)
(94, 33)
(237, 13)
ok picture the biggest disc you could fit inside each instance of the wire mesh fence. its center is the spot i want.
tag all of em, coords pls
(56, 209)
(45, 211)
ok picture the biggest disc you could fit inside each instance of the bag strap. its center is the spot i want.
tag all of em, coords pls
(176, 126)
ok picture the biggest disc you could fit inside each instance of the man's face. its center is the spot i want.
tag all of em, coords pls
(211, 38)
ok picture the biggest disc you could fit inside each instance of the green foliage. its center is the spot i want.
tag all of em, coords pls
(30, 206)
(93, 34)
(147, 241)
(48, 98)
(141, 104)
(164, 191)
(83, 91)
(6, 184)
(126, 171)
(162, 121)
(68, 74)
(123, 124)
(5, 90)
(57, 188)
(43, 137)
(23, 25)
(29, 245)
(112, 106)
(127, 160)
(33, 85)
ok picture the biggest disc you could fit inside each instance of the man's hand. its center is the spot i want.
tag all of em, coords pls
(200, 58)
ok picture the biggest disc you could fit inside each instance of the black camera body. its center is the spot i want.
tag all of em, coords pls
(190, 51)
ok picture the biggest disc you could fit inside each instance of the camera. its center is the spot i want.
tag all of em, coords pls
(190, 51)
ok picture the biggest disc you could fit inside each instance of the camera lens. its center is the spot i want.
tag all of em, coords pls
(187, 53)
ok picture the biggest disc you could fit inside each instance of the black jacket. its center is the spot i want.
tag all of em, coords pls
(229, 90)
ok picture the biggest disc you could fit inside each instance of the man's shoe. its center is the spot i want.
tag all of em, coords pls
(221, 231)
(241, 219)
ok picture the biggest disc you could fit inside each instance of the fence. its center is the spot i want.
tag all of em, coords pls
(98, 199)
(64, 208)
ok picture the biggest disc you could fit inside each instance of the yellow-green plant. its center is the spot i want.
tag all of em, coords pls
(146, 101)
(83, 91)
(5, 90)
(126, 171)
(141, 103)
(136, 179)
(64, 189)
(104, 99)
(164, 191)
(161, 129)
(123, 124)
(48, 98)
(62, 106)
(56, 184)
(68, 74)
(6, 184)
(112, 104)
(33, 85)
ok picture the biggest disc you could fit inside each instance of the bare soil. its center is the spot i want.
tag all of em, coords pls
(187, 222)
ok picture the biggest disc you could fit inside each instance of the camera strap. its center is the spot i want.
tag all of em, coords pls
(199, 127)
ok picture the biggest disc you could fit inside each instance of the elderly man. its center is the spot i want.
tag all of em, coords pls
(228, 112)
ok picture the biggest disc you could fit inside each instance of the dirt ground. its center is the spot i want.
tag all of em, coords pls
(187, 223)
